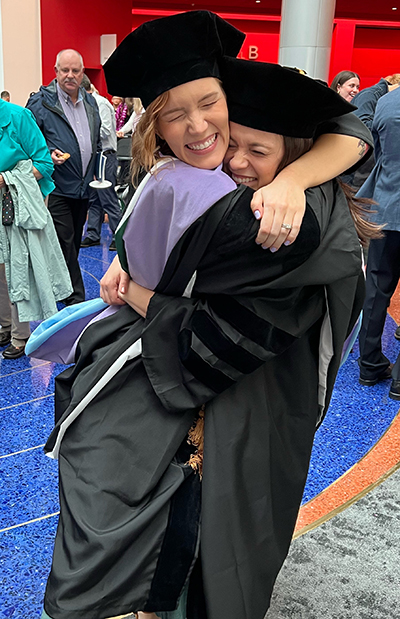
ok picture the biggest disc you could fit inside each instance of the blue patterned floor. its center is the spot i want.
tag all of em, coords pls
(28, 480)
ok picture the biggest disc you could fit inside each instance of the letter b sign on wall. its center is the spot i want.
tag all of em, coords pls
(253, 52)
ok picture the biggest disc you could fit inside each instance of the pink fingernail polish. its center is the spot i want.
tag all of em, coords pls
(273, 250)
(257, 214)
(287, 243)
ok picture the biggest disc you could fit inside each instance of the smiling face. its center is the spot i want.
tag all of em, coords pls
(194, 123)
(69, 72)
(349, 89)
(253, 156)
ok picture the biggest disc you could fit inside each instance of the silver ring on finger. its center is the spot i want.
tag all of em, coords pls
(286, 226)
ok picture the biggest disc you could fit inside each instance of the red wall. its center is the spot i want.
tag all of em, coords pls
(262, 40)
(376, 53)
(79, 24)
(371, 49)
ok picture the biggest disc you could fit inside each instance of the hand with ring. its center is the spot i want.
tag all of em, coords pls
(280, 206)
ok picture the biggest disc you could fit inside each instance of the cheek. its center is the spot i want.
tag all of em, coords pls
(224, 124)
(266, 172)
(163, 130)
(173, 137)
(227, 159)
(220, 119)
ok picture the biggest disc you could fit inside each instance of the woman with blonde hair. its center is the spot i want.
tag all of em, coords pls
(230, 329)
(136, 112)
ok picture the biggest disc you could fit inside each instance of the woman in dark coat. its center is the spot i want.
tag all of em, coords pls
(244, 340)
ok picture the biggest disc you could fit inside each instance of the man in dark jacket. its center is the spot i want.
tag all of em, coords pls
(69, 120)
(383, 267)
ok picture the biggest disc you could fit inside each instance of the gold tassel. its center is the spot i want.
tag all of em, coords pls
(196, 438)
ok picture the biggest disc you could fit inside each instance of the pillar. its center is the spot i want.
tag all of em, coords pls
(21, 48)
(306, 35)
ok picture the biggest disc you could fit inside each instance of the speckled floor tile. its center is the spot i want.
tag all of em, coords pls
(25, 426)
(17, 389)
(29, 487)
(381, 460)
(356, 418)
(24, 565)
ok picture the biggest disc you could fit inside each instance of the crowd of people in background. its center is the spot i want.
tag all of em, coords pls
(74, 123)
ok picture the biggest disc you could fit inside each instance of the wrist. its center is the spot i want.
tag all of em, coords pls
(294, 175)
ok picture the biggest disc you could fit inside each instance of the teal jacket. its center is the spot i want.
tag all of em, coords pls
(36, 273)
(21, 139)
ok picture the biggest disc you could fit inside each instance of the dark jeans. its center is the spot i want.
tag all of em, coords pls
(69, 216)
(104, 201)
(383, 273)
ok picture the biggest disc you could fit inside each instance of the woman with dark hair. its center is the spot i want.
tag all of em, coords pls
(346, 84)
(229, 340)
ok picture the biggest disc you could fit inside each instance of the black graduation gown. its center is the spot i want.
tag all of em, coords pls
(247, 343)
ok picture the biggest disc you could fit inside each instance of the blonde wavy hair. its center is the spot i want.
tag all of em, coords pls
(146, 143)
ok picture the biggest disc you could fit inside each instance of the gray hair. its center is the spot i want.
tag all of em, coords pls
(67, 50)
(86, 83)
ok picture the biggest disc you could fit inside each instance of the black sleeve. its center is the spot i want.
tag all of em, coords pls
(194, 348)
(34, 104)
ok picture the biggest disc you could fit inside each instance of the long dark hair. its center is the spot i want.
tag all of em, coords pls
(360, 208)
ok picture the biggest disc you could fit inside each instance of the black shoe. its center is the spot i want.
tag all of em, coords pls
(394, 392)
(369, 382)
(87, 242)
(397, 333)
(14, 352)
(112, 246)
(5, 337)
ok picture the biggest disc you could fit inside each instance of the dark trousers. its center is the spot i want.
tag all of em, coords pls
(69, 216)
(383, 273)
(104, 201)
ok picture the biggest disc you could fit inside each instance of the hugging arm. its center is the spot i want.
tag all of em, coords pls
(194, 348)
(114, 283)
(342, 143)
